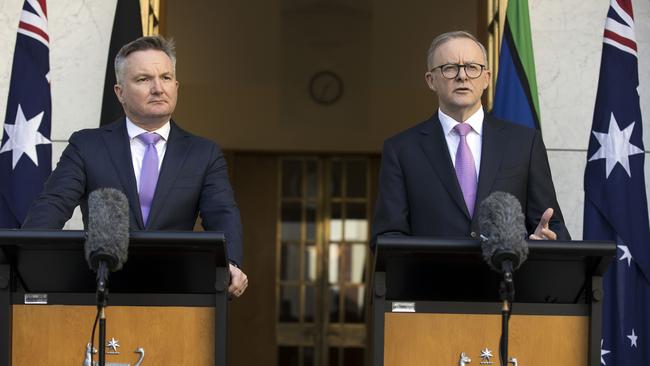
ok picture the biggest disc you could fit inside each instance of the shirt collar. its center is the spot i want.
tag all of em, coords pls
(134, 130)
(475, 120)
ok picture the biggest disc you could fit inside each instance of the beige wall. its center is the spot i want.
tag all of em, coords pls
(245, 66)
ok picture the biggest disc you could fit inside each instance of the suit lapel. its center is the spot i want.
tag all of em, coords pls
(491, 156)
(434, 145)
(117, 143)
(177, 149)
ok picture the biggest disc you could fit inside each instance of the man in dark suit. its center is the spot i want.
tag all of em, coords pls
(434, 175)
(168, 175)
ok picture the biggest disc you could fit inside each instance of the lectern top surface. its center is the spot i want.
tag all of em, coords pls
(158, 262)
(453, 270)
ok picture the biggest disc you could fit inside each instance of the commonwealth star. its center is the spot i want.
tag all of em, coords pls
(23, 137)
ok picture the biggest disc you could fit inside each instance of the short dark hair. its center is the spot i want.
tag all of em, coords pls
(158, 43)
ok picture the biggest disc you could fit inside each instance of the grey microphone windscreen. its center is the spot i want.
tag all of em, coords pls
(108, 228)
(501, 223)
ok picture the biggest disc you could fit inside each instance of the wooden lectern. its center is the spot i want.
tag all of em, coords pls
(435, 300)
(167, 306)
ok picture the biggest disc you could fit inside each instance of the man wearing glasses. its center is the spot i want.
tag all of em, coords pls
(434, 175)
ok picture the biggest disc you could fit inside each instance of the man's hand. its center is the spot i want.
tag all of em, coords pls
(542, 232)
(238, 281)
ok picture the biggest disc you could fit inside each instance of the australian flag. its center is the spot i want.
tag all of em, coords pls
(615, 198)
(26, 150)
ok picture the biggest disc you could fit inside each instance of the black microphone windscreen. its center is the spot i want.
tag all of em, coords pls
(108, 228)
(502, 228)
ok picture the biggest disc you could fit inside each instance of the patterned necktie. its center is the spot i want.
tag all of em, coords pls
(465, 168)
(149, 173)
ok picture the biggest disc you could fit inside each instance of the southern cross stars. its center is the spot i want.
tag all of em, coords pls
(23, 137)
(615, 147)
(626, 254)
(633, 337)
(603, 352)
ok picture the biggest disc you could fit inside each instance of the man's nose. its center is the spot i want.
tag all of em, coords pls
(462, 74)
(156, 86)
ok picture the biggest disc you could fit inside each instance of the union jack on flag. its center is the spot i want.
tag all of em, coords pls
(26, 149)
(615, 198)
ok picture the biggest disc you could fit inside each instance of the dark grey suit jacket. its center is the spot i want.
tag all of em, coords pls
(419, 193)
(193, 180)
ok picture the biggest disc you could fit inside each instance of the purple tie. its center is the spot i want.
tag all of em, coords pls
(465, 168)
(149, 173)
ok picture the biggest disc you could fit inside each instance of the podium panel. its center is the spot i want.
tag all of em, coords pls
(438, 339)
(434, 299)
(58, 334)
(170, 299)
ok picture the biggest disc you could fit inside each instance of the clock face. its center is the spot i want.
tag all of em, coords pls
(326, 87)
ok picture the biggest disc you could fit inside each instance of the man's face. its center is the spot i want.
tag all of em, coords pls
(460, 94)
(149, 89)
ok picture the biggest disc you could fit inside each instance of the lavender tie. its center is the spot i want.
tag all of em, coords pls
(149, 173)
(465, 168)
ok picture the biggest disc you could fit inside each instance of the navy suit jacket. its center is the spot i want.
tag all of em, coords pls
(419, 193)
(193, 180)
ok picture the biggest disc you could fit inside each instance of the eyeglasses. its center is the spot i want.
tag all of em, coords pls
(451, 71)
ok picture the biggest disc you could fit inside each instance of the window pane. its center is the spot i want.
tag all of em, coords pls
(310, 220)
(357, 261)
(291, 178)
(334, 304)
(344, 263)
(353, 356)
(356, 223)
(311, 265)
(336, 222)
(291, 219)
(334, 262)
(356, 178)
(288, 356)
(308, 356)
(336, 179)
(354, 304)
(334, 356)
(312, 179)
(289, 303)
(290, 262)
(310, 304)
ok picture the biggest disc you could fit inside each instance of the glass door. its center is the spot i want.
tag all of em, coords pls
(322, 249)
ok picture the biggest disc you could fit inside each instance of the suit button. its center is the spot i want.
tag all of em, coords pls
(473, 234)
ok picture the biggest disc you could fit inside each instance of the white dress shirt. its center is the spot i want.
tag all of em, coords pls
(138, 147)
(473, 138)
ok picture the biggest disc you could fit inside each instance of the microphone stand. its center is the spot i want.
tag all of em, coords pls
(507, 296)
(102, 302)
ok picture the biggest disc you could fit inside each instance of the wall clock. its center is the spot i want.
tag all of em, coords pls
(326, 87)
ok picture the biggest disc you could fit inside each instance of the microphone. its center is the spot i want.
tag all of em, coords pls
(108, 229)
(503, 233)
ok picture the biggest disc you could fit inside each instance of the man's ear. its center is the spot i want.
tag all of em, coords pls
(117, 88)
(428, 77)
(488, 77)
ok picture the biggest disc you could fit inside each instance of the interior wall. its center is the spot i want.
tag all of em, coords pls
(251, 338)
(568, 51)
(245, 67)
(80, 33)
(244, 71)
